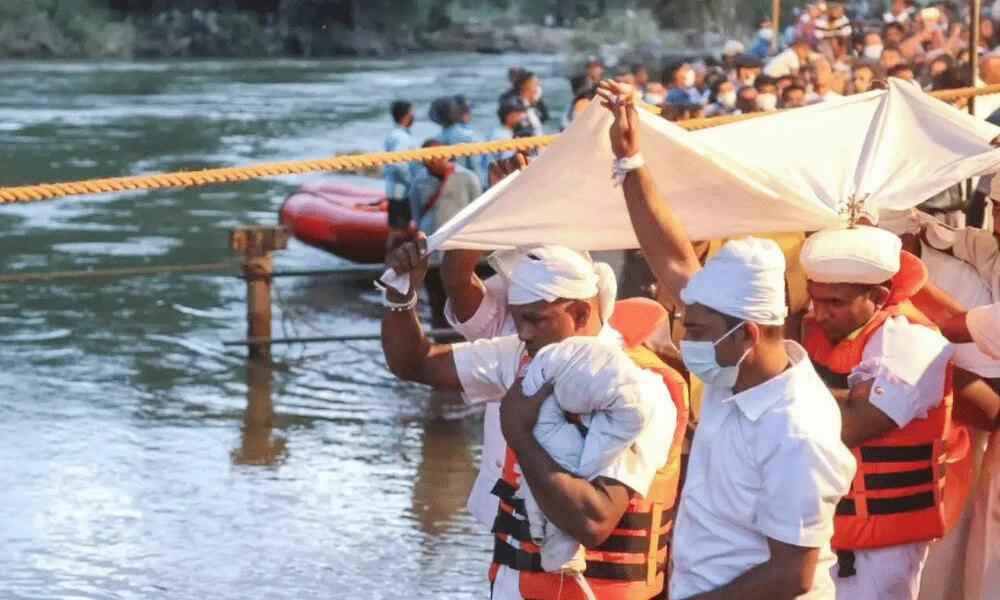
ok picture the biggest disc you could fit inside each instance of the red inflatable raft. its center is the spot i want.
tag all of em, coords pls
(348, 220)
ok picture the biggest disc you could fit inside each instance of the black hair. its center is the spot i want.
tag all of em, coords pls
(523, 77)
(399, 109)
(897, 69)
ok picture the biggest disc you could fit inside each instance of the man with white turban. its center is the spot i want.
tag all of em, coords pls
(553, 293)
(767, 466)
(893, 374)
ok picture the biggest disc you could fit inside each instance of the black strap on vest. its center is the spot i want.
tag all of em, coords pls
(519, 560)
(845, 563)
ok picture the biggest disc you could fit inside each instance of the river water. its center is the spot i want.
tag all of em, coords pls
(123, 461)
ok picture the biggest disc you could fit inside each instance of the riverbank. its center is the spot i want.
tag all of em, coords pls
(79, 30)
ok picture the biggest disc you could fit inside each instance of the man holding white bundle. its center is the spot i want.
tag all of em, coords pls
(615, 402)
(767, 466)
(623, 513)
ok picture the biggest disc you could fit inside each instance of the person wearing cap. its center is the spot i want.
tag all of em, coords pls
(553, 293)
(455, 129)
(892, 373)
(767, 466)
(511, 112)
(731, 52)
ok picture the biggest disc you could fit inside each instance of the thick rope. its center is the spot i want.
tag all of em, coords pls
(44, 191)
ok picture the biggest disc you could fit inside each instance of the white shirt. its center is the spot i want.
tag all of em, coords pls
(963, 282)
(765, 463)
(491, 319)
(909, 363)
(786, 63)
(487, 368)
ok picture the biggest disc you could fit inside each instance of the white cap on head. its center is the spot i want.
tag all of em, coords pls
(733, 47)
(547, 273)
(865, 255)
(745, 279)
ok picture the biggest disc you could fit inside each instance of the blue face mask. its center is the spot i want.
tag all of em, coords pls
(700, 360)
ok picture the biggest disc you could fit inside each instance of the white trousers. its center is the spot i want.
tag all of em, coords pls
(883, 573)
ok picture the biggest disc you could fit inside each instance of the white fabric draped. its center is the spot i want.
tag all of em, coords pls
(791, 171)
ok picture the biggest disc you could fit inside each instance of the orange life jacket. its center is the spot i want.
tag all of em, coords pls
(911, 483)
(631, 564)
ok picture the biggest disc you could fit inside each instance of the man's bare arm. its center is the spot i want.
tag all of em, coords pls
(787, 574)
(659, 230)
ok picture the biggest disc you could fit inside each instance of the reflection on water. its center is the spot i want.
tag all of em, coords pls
(130, 468)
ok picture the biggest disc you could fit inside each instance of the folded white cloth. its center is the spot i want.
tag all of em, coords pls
(597, 380)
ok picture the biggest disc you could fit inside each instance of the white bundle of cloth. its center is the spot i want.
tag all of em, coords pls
(616, 401)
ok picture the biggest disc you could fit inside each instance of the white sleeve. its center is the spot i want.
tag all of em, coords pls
(486, 368)
(909, 364)
(491, 317)
(979, 249)
(637, 466)
(802, 482)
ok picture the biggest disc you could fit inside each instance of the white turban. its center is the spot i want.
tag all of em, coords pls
(547, 273)
(745, 279)
(984, 326)
(862, 254)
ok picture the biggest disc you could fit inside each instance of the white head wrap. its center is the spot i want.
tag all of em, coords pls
(862, 254)
(546, 273)
(745, 279)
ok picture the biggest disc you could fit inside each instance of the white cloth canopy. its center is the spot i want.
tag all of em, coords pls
(791, 171)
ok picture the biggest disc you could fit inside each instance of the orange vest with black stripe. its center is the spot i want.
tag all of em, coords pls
(631, 564)
(911, 483)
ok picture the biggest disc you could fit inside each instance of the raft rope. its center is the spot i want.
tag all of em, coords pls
(45, 191)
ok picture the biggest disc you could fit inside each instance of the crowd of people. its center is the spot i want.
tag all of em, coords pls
(777, 424)
(825, 53)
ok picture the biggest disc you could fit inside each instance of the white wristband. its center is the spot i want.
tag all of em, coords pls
(409, 304)
(623, 165)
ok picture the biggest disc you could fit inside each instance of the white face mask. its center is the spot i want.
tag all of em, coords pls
(873, 51)
(727, 99)
(749, 80)
(767, 101)
(688, 78)
(765, 33)
(700, 360)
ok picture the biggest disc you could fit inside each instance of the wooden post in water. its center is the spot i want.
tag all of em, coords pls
(256, 244)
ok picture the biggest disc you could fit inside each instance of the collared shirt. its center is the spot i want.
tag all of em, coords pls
(398, 138)
(491, 320)
(487, 368)
(765, 463)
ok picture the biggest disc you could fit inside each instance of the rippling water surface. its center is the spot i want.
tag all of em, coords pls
(122, 454)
